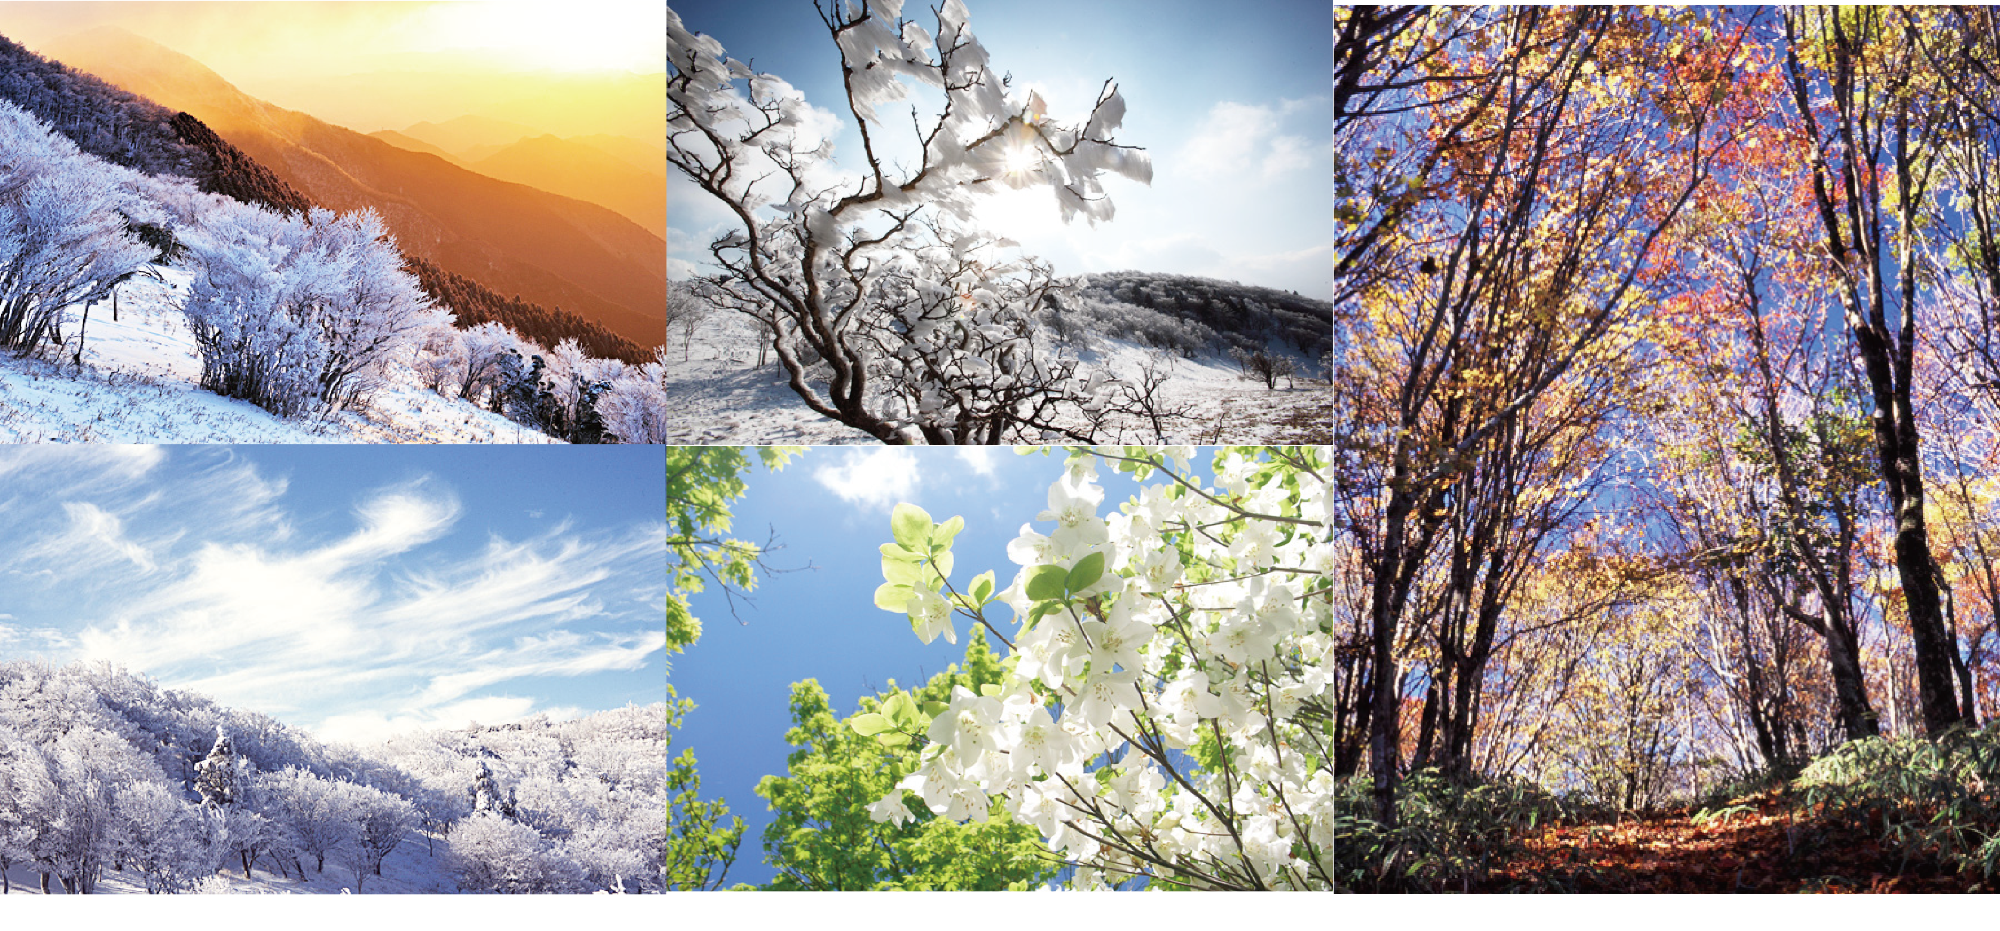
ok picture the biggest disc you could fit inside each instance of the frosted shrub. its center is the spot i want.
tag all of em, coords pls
(300, 314)
(490, 853)
(635, 407)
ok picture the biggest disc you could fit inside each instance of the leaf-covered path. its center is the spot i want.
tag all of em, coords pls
(1760, 844)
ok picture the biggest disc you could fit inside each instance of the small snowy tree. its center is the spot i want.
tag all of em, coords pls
(301, 314)
(685, 313)
(66, 230)
(216, 775)
(161, 836)
(889, 311)
(635, 406)
(382, 820)
(318, 813)
(493, 854)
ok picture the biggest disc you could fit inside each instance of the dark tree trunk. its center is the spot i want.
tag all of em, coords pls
(1869, 132)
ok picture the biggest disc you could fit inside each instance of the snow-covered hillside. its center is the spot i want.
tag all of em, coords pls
(720, 395)
(138, 384)
(309, 315)
(109, 783)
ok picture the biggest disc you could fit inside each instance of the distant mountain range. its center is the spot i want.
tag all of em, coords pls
(549, 249)
(622, 174)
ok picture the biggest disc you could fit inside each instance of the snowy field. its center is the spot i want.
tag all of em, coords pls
(721, 396)
(138, 384)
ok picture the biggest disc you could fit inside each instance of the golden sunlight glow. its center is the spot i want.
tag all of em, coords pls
(579, 35)
(1021, 159)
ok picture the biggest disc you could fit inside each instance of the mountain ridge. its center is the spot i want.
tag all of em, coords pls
(549, 249)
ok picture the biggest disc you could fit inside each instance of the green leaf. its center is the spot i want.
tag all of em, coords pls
(895, 550)
(941, 537)
(942, 563)
(1045, 583)
(912, 526)
(982, 588)
(1086, 572)
(893, 597)
(870, 724)
(901, 711)
(992, 690)
(902, 572)
(893, 739)
(934, 708)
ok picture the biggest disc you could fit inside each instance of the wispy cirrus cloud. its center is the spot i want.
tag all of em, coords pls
(387, 612)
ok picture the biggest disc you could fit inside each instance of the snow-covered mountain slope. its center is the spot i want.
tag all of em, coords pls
(720, 395)
(138, 383)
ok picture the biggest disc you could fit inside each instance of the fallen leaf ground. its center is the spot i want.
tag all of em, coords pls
(1767, 846)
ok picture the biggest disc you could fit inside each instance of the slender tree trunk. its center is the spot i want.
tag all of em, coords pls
(1869, 132)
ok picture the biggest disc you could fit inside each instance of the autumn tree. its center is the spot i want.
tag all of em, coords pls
(1563, 152)
(1763, 473)
(1863, 99)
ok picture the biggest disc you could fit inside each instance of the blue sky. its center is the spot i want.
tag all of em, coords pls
(1233, 104)
(353, 591)
(830, 510)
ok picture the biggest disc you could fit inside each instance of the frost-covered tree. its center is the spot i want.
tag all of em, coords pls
(888, 309)
(318, 814)
(67, 797)
(685, 313)
(161, 836)
(634, 408)
(487, 796)
(217, 774)
(493, 854)
(67, 230)
(300, 314)
(382, 820)
(15, 833)
(467, 363)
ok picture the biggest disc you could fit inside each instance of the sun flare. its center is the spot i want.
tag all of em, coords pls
(1021, 159)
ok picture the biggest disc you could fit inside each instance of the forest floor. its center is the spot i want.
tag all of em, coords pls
(1759, 843)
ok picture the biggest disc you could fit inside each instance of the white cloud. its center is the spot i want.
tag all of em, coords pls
(1237, 139)
(371, 727)
(77, 465)
(380, 627)
(980, 459)
(94, 539)
(395, 521)
(877, 478)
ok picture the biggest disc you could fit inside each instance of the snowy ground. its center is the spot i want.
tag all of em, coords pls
(138, 384)
(721, 396)
(410, 868)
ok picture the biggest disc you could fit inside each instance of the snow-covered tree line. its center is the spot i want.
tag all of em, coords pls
(104, 771)
(303, 314)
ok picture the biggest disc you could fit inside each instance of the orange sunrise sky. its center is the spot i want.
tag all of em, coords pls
(328, 58)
